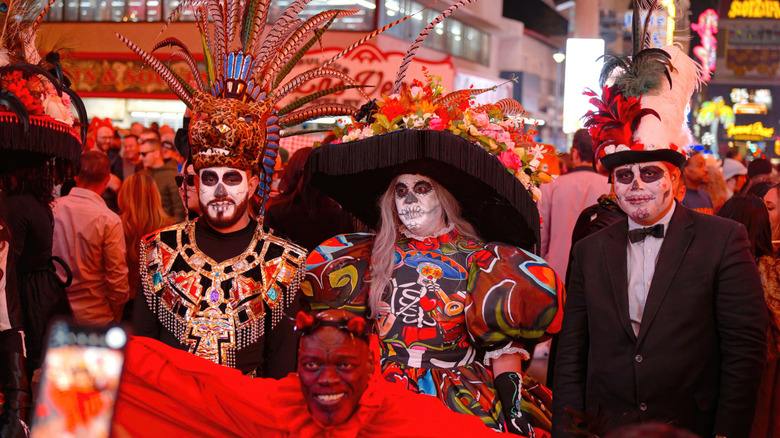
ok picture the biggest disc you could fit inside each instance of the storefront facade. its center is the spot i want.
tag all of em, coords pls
(474, 46)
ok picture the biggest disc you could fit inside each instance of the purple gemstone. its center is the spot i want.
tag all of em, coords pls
(214, 296)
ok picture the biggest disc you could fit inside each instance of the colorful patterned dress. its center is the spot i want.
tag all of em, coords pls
(452, 303)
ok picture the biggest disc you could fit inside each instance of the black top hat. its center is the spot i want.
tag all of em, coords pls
(494, 201)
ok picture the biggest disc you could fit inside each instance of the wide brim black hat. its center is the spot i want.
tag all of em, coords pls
(495, 202)
(45, 139)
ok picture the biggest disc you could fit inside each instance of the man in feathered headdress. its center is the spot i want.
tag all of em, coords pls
(665, 318)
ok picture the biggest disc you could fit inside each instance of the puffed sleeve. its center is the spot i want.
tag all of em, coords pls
(515, 298)
(337, 273)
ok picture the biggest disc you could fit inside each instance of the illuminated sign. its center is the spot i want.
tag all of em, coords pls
(124, 75)
(707, 27)
(751, 100)
(661, 25)
(750, 108)
(755, 9)
(755, 130)
(672, 11)
(583, 67)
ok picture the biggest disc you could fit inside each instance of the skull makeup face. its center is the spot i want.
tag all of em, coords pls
(418, 205)
(223, 195)
(645, 191)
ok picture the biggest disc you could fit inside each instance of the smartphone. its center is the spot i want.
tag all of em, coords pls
(80, 381)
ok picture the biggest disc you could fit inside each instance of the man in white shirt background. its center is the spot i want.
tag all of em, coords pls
(564, 199)
(89, 237)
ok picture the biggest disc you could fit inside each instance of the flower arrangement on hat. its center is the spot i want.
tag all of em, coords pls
(38, 97)
(494, 127)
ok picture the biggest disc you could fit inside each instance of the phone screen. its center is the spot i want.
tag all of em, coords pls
(78, 389)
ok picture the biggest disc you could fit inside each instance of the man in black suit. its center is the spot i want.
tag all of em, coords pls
(665, 318)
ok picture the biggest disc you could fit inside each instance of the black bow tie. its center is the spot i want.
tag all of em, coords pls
(639, 234)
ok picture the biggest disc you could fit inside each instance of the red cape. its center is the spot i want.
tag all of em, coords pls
(167, 392)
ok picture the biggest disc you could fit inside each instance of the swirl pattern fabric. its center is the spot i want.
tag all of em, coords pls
(451, 300)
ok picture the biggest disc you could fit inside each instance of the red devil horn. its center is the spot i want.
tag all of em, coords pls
(304, 321)
(357, 325)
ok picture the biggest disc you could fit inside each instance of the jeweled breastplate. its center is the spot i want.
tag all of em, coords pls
(216, 309)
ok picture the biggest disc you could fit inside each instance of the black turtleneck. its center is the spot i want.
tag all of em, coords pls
(274, 355)
(222, 246)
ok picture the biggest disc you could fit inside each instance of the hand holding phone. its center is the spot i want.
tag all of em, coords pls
(81, 372)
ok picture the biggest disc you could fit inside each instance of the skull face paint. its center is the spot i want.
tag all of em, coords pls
(223, 195)
(418, 205)
(644, 190)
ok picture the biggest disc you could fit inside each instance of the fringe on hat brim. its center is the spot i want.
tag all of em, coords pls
(46, 138)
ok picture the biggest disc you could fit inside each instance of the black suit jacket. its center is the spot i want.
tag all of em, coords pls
(699, 355)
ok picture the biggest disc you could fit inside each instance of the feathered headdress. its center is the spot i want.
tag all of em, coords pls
(35, 103)
(640, 115)
(237, 115)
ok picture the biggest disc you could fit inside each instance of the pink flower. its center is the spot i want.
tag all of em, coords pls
(437, 124)
(510, 159)
(481, 120)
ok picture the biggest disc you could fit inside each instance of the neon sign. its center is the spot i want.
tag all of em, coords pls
(756, 129)
(707, 27)
(755, 9)
(672, 11)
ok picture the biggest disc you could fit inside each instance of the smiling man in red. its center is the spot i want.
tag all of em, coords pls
(336, 393)
(334, 368)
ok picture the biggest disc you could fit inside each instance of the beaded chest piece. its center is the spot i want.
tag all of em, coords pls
(216, 309)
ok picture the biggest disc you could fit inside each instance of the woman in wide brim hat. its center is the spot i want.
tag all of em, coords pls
(459, 339)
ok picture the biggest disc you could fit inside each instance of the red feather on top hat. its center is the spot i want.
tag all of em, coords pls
(613, 123)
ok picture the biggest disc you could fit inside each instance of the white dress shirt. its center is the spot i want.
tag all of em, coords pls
(642, 258)
(89, 237)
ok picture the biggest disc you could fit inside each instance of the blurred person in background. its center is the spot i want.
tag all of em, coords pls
(104, 141)
(148, 134)
(750, 211)
(170, 153)
(716, 186)
(695, 175)
(565, 198)
(166, 130)
(733, 154)
(758, 167)
(769, 192)
(735, 174)
(27, 213)
(302, 213)
(131, 160)
(164, 174)
(189, 194)
(88, 236)
(104, 136)
(137, 128)
(142, 213)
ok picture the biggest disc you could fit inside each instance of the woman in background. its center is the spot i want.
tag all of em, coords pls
(26, 211)
(716, 187)
(142, 213)
(751, 211)
(769, 192)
